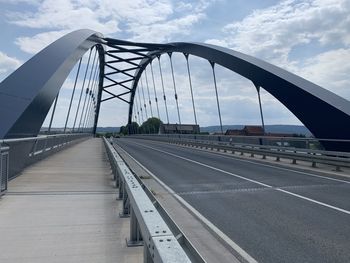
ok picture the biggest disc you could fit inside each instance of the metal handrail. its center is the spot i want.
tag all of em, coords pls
(42, 137)
(4, 164)
(146, 224)
(25, 151)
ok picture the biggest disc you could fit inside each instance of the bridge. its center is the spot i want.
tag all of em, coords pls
(67, 195)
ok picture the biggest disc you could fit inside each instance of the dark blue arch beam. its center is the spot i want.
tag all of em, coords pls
(324, 113)
(27, 94)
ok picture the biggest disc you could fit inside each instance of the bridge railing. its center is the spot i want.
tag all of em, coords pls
(22, 152)
(4, 164)
(147, 227)
(291, 142)
(337, 159)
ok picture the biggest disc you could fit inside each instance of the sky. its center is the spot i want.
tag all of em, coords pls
(308, 38)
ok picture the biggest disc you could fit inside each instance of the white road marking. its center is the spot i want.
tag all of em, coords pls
(271, 166)
(195, 212)
(250, 180)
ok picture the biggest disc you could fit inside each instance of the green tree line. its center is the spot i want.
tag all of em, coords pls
(151, 126)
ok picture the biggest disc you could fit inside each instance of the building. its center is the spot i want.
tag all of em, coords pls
(178, 129)
(248, 130)
(234, 132)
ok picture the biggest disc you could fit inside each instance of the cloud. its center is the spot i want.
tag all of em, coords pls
(164, 32)
(66, 14)
(330, 70)
(7, 65)
(318, 28)
(272, 33)
(33, 45)
(141, 19)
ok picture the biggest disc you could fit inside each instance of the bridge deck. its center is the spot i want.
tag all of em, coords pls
(63, 209)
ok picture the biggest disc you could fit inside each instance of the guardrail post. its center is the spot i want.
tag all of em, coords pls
(121, 190)
(126, 202)
(146, 225)
(135, 234)
(147, 257)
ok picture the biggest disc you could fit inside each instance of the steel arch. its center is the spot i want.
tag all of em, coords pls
(27, 94)
(324, 113)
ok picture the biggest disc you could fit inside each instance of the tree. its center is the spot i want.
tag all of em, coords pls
(133, 128)
(151, 126)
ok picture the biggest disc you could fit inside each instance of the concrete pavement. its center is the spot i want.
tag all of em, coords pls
(63, 209)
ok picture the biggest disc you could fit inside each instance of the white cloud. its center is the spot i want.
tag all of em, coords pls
(164, 32)
(144, 20)
(330, 70)
(36, 43)
(14, 2)
(7, 65)
(273, 32)
(321, 26)
(66, 14)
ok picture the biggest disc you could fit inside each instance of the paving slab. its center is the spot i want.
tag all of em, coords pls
(64, 209)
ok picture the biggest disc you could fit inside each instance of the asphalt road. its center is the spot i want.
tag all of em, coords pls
(274, 214)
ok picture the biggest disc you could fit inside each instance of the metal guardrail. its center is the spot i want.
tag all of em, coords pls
(25, 151)
(147, 227)
(4, 169)
(293, 142)
(337, 159)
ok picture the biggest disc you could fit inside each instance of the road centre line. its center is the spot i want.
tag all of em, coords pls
(250, 180)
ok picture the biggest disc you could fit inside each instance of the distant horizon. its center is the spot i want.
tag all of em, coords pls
(300, 125)
(269, 128)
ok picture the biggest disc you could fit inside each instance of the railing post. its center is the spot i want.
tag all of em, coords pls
(147, 257)
(135, 234)
(121, 189)
(126, 202)
(4, 169)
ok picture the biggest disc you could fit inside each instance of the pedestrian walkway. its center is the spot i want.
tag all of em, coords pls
(63, 209)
